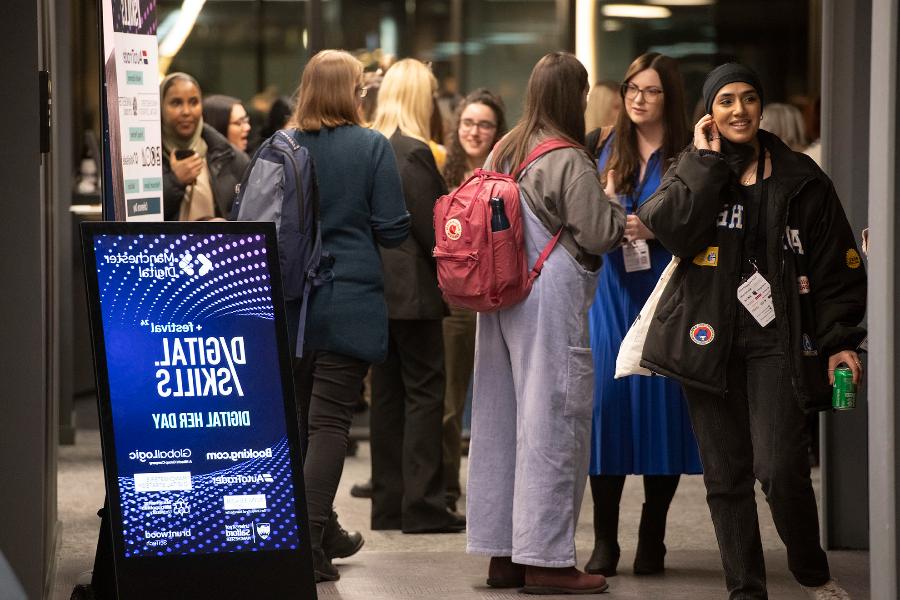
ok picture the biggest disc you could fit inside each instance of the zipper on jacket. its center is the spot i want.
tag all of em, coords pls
(795, 376)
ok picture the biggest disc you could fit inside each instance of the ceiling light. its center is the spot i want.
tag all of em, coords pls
(684, 2)
(636, 11)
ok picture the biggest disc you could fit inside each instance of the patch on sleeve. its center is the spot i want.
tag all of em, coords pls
(853, 260)
(708, 258)
(803, 284)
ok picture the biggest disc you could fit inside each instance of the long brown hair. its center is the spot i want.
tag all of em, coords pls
(457, 164)
(554, 106)
(328, 92)
(625, 158)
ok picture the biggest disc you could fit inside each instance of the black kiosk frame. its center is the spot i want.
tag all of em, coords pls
(267, 573)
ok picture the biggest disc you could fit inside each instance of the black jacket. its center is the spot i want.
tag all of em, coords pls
(226, 169)
(410, 273)
(818, 281)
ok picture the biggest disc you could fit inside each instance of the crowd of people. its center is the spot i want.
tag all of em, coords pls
(731, 199)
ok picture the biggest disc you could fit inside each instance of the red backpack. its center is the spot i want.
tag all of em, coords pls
(481, 269)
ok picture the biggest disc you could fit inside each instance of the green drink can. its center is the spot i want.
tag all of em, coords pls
(843, 393)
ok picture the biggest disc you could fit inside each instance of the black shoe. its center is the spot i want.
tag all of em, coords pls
(606, 491)
(322, 567)
(339, 543)
(604, 560)
(651, 551)
(455, 523)
(362, 490)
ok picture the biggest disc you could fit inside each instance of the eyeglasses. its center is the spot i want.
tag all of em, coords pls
(481, 125)
(651, 94)
(240, 122)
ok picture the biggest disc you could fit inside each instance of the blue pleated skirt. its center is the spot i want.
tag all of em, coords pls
(640, 424)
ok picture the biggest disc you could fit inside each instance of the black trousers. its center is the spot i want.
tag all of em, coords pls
(326, 385)
(406, 427)
(757, 431)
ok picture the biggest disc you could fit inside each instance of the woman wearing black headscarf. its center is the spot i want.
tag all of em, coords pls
(200, 168)
(767, 298)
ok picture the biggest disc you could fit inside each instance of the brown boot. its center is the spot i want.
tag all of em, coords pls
(504, 573)
(546, 581)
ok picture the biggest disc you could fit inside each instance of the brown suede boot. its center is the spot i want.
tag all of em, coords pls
(504, 573)
(546, 581)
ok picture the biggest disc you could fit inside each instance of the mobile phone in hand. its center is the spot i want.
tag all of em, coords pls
(182, 153)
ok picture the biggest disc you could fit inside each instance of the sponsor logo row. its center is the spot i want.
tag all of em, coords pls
(234, 532)
(184, 455)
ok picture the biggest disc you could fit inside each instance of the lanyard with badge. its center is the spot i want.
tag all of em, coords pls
(755, 293)
(636, 253)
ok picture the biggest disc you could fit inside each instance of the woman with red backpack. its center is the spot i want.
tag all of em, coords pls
(529, 452)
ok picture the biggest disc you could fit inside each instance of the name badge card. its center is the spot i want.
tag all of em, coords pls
(637, 256)
(756, 296)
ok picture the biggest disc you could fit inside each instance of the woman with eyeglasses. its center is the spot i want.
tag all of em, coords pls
(408, 387)
(200, 167)
(532, 398)
(641, 425)
(480, 122)
(361, 208)
(229, 117)
(763, 307)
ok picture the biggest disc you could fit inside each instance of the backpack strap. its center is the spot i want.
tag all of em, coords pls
(542, 149)
(545, 253)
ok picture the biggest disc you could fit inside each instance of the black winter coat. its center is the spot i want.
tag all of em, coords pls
(226, 169)
(410, 273)
(817, 277)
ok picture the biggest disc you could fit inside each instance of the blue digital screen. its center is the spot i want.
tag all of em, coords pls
(196, 395)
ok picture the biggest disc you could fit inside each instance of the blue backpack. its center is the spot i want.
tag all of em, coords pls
(279, 185)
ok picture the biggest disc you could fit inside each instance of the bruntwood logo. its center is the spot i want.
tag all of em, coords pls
(148, 455)
(235, 479)
(236, 455)
(166, 535)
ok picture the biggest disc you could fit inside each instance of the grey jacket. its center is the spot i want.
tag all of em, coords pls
(563, 188)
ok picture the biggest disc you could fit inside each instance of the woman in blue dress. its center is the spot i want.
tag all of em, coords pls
(641, 424)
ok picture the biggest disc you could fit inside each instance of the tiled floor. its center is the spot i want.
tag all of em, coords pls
(393, 566)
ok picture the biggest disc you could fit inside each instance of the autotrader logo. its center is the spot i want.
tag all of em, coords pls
(156, 455)
(236, 455)
(236, 479)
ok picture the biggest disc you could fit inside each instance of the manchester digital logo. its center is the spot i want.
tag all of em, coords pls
(162, 265)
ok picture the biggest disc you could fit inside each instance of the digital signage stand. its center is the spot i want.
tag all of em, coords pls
(201, 447)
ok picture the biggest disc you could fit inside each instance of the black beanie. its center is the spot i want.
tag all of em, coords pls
(725, 74)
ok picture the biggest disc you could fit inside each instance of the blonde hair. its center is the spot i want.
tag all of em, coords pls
(328, 92)
(603, 106)
(786, 121)
(405, 100)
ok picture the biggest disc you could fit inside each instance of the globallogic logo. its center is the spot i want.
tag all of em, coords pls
(163, 265)
(159, 455)
(237, 479)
